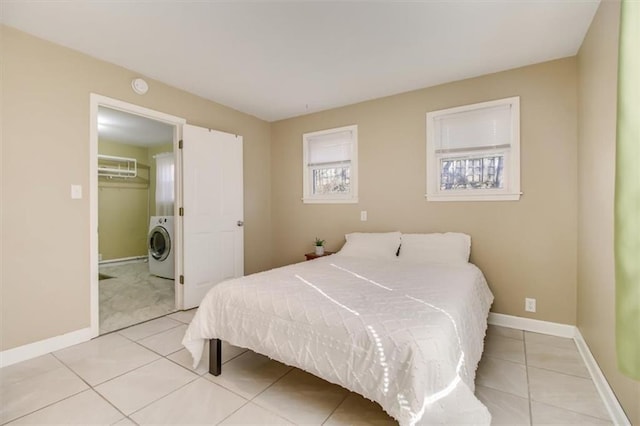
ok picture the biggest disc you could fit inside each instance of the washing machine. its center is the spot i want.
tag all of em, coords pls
(161, 247)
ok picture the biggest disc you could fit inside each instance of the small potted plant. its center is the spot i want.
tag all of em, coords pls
(319, 246)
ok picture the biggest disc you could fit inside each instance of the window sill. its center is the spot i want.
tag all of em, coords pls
(329, 200)
(474, 197)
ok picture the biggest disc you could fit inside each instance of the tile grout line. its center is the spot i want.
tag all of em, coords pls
(248, 400)
(154, 351)
(119, 332)
(175, 390)
(492, 336)
(562, 372)
(267, 388)
(551, 371)
(234, 357)
(575, 412)
(164, 396)
(564, 408)
(110, 379)
(119, 329)
(337, 406)
(202, 376)
(90, 387)
(274, 382)
(88, 384)
(504, 360)
(137, 342)
(114, 377)
(47, 406)
(526, 368)
(194, 371)
(131, 420)
(180, 365)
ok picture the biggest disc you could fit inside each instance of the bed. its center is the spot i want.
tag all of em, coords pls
(398, 330)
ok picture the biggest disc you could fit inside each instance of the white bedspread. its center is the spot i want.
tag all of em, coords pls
(407, 336)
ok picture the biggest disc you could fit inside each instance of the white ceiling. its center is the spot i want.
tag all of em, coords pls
(281, 59)
(122, 127)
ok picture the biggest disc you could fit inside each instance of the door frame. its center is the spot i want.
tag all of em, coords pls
(96, 101)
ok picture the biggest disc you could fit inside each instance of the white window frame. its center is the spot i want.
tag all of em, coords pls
(308, 196)
(511, 173)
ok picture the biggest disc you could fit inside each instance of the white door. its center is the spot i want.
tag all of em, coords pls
(213, 210)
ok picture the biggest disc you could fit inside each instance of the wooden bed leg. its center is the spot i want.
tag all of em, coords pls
(215, 357)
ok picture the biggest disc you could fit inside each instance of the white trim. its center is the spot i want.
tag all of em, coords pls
(177, 223)
(611, 403)
(124, 260)
(95, 101)
(94, 256)
(42, 347)
(534, 325)
(329, 200)
(474, 197)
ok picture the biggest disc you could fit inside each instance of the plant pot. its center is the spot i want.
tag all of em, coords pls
(319, 250)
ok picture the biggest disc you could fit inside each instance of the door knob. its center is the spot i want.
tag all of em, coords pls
(240, 223)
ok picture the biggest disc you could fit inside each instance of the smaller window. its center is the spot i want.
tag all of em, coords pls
(330, 166)
(473, 152)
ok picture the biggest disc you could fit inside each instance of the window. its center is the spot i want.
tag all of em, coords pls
(473, 152)
(165, 183)
(330, 166)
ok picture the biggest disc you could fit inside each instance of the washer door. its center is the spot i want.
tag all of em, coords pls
(159, 243)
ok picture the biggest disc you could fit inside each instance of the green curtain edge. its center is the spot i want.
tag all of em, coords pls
(627, 193)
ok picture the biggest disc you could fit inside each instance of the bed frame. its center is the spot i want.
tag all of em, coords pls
(215, 356)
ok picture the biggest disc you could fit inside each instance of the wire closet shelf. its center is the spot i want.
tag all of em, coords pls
(111, 166)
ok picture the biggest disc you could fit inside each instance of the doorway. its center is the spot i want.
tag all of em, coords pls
(135, 182)
(136, 198)
(208, 235)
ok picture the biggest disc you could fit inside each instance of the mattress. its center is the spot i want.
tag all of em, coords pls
(408, 336)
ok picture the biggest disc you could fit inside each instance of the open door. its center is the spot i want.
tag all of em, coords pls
(212, 193)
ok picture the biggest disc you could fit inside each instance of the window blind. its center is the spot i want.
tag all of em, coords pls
(480, 129)
(330, 149)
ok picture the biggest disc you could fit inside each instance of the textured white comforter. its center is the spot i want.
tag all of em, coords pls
(405, 335)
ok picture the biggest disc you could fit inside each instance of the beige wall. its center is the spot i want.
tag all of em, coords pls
(123, 205)
(526, 248)
(597, 85)
(45, 144)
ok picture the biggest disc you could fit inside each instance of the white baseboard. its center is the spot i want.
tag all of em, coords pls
(618, 417)
(42, 347)
(602, 385)
(536, 326)
(124, 260)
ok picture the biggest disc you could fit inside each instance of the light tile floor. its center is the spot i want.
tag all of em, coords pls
(132, 296)
(140, 375)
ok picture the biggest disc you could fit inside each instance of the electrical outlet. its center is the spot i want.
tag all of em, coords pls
(76, 192)
(363, 215)
(530, 305)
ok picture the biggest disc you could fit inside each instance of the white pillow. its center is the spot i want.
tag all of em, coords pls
(380, 245)
(451, 247)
